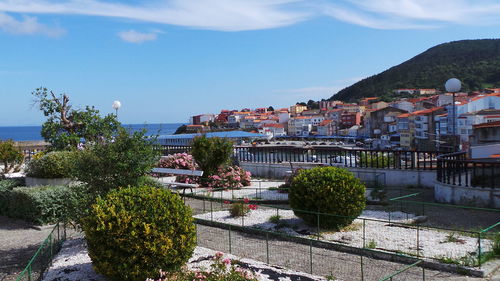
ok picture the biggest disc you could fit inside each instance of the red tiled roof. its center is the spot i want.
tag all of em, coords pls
(274, 125)
(325, 122)
(426, 111)
(487, 125)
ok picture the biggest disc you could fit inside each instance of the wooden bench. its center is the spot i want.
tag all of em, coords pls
(179, 172)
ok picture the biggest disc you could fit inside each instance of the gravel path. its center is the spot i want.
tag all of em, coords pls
(73, 264)
(18, 242)
(383, 236)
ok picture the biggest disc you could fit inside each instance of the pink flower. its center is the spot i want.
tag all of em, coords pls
(246, 200)
(227, 261)
(219, 255)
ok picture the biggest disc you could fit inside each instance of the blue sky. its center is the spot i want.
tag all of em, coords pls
(166, 60)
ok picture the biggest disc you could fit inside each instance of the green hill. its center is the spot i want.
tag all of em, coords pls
(475, 62)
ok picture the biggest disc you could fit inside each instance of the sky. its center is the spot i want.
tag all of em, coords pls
(166, 60)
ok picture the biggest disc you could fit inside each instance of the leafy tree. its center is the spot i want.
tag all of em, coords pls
(312, 104)
(270, 108)
(475, 62)
(181, 130)
(211, 153)
(66, 127)
(118, 163)
(301, 103)
(10, 157)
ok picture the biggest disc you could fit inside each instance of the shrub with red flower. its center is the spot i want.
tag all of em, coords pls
(180, 161)
(239, 209)
(229, 177)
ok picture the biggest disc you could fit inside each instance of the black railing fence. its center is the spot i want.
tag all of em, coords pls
(357, 158)
(456, 169)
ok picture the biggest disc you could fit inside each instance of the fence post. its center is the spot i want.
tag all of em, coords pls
(479, 248)
(230, 239)
(311, 256)
(267, 247)
(29, 273)
(418, 241)
(364, 234)
(317, 237)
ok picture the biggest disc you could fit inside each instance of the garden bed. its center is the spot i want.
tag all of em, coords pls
(370, 230)
(73, 263)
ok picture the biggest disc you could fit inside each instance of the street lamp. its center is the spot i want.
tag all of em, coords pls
(453, 85)
(116, 105)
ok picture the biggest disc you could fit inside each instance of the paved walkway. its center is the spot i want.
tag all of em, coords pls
(19, 240)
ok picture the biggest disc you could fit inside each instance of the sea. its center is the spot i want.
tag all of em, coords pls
(32, 133)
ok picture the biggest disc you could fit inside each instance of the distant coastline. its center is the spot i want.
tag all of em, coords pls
(32, 133)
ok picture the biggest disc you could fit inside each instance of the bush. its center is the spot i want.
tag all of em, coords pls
(229, 177)
(377, 160)
(134, 232)
(10, 157)
(56, 164)
(120, 163)
(328, 190)
(211, 154)
(40, 205)
(180, 161)
(5, 187)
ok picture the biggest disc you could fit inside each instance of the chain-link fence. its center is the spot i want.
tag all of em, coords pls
(300, 254)
(386, 231)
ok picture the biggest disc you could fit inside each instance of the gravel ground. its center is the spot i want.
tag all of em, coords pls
(18, 242)
(73, 263)
(384, 236)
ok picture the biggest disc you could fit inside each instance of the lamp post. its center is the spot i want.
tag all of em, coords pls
(453, 85)
(116, 105)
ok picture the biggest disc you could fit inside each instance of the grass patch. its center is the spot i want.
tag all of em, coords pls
(371, 244)
(352, 227)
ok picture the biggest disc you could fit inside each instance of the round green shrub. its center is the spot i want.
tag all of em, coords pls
(134, 232)
(56, 164)
(327, 190)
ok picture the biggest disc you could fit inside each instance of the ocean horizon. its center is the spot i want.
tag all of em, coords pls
(32, 133)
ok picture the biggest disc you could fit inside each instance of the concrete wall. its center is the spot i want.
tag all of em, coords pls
(470, 196)
(386, 177)
(52, 182)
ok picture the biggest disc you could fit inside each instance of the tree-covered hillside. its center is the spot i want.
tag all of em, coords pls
(475, 62)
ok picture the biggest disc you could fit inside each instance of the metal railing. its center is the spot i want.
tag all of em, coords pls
(455, 169)
(43, 256)
(356, 158)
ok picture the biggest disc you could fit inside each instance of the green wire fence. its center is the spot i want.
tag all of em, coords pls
(44, 255)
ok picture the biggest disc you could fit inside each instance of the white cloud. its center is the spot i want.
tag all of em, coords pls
(27, 25)
(133, 36)
(225, 15)
(413, 14)
(319, 92)
(238, 15)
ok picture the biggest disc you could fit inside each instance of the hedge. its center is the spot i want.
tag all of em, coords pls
(40, 205)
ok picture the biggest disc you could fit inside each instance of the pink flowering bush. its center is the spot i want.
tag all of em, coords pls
(229, 177)
(222, 269)
(180, 161)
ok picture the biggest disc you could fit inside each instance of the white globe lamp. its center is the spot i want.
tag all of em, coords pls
(453, 85)
(116, 105)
